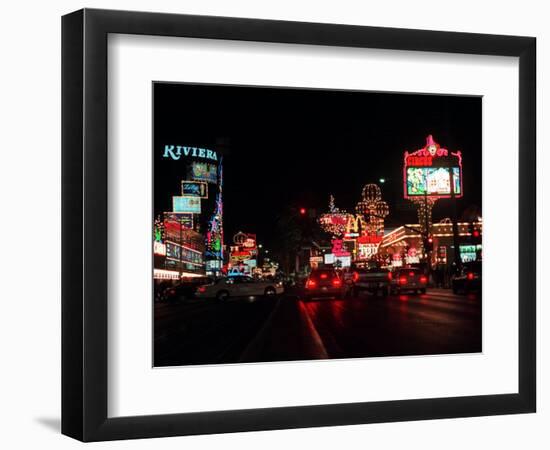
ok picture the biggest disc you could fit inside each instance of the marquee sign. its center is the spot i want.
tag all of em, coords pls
(428, 172)
(194, 189)
(201, 171)
(175, 152)
(186, 204)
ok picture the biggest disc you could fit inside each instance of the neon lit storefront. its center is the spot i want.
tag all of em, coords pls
(188, 239)
(403, 246)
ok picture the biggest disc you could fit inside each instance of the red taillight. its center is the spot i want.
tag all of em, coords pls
(336, 282)
(355, 276)
(411, 274)
(324, 276)
(202, 289)
(403, 280)
(390, 276)
(423, 279)
(470, 276)
(310, 284)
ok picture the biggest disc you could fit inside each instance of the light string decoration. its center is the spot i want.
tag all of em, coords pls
(214, 234)
(424, 208)
(158, 229)
(373, 209)
(427, 157)
(362, 231)
(334, 222)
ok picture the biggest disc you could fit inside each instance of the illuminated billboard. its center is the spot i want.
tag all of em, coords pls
(427, 172)
(186, 204)
(194, 189)
(432, 181)
(201, 171)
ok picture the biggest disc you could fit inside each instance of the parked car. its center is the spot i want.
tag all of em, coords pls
(409, 279)
(324, 283)
(468, 279)
(239, 286)
(183, 290)
(374, 279)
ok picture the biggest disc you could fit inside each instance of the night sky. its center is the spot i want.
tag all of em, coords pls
(294, 147)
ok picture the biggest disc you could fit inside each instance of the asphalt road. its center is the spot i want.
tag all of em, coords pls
(287, 328)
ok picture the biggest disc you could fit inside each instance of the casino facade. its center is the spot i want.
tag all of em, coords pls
(188, 239)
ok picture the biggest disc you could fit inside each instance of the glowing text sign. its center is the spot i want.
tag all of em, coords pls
(428, 172)
(186, 204)
(175, 152)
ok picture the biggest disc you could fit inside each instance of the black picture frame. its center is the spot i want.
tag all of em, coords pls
(84, 224)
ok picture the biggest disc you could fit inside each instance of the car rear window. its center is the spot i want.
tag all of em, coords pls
(320, 273)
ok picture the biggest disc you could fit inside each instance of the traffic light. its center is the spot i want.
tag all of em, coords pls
(475, 234)
(428, 244)
(303, 211)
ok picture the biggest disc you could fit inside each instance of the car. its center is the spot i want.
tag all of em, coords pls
(183, 290)
(409, 279)
(239, 286)
(375, 280)
(468, 279)
(324, 283)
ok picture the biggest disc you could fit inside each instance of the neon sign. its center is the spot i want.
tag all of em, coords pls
(175, 152)
(432, 180)
(335, 221)
(367, 251)
(428, 171)
(200, 171)
(338, 249)
(186, 204)
(194, 189)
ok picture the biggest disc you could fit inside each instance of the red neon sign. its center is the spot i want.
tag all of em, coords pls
(338, 248)
(427, 157)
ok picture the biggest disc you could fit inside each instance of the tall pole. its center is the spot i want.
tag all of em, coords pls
(456, 243)
(427, 231)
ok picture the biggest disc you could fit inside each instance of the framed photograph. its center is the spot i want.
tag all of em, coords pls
(266, 224)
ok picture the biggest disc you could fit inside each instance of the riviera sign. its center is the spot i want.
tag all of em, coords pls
(177, 151)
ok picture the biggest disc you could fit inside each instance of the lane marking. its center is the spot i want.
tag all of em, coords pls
(320, 349)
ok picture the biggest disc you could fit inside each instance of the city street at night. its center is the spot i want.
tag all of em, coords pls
(314, 224)
(287, 328)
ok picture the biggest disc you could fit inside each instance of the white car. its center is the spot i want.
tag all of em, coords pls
(239, 286)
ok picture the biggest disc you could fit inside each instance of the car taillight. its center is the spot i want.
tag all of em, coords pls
(336, 282)
(470, 276)
(355, 276)
(423, 279)
(411, 274)
(389, 276)
(311, 284)
(202, 289)
(403, 280)
(324, 276)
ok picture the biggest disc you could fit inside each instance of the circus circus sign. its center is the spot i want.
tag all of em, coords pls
(432, 172)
